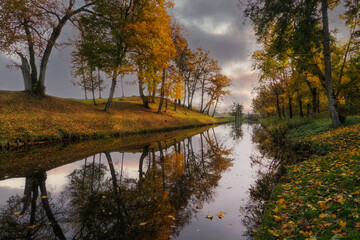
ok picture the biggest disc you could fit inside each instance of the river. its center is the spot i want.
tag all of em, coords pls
(189, 184)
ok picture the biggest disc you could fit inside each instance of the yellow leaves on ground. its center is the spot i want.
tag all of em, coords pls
(320, 197)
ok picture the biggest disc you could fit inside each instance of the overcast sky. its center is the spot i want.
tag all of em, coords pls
(217, 26)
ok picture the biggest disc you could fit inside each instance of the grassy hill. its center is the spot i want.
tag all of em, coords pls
(28, 119)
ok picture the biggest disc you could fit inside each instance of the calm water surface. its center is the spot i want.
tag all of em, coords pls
(185, 187)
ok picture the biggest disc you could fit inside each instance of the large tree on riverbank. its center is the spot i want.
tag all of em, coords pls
(29, 29)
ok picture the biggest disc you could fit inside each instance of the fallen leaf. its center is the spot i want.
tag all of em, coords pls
(336, 231)
(277, 218)
(209, 217)
(273, 233)
(143, 224)
(220, 214)
(342, 224)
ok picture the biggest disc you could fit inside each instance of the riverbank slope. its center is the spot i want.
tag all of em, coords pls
(27, 119)
(318, 198)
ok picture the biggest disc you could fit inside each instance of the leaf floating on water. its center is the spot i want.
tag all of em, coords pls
(33, 226)
(103, 197)
(143, 224)
(197, 207)
(43, 197)
(221, 214)
(209, 216)
(17, 213)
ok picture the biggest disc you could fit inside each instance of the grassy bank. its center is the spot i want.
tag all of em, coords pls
(26, 119)
(318, 198)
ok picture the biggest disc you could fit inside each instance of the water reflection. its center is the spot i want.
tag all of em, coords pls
(100, 201)
(269, 160)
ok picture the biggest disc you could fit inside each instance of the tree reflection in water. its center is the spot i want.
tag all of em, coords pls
(272, 157)
(99, 202)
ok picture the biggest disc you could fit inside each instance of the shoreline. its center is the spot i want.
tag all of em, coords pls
(99, 135)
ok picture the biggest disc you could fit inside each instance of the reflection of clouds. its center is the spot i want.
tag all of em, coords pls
(11, 187)
(16, 183)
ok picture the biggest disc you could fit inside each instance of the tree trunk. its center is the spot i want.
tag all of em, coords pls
(92, 86)
(112, 172)
(283, 110)
(122, 86)
(162, 163)
(175, 105)
(144, 99)
(153, 93)
(300, 105)
(45, 200)
(334, 114)
(162, 93)
(314, 94)
(217, 100)
(85, 91)
(290, 108)
(278, 104)
(25, 69)
(112, 90)
(33, 73)
(40, 89)
(99, 82)
(202, 96)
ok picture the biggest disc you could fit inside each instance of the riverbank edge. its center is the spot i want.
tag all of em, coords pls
(285, 216)
(26, 119)
(9, 145)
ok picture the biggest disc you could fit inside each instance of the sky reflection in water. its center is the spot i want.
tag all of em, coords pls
(160, 191)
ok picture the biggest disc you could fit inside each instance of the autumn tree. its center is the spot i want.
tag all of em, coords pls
(109, 37)
(83, 68)
(298, 26)
(30, 30)
(153, 47)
